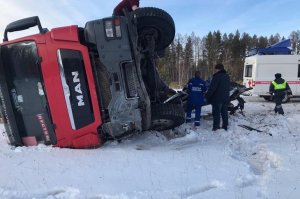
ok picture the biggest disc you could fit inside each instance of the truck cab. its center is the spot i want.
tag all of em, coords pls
(77, 87)
(47, 90)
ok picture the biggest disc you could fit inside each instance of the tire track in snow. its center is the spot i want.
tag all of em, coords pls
(198, 190)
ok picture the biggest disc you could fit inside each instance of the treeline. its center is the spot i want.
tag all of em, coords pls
(189, 53)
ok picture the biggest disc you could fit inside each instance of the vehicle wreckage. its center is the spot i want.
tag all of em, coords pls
(76, 87)
(236, 90)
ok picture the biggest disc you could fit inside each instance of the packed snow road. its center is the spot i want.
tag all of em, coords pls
(185, 163)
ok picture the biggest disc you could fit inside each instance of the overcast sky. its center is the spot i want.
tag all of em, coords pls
(261, 17)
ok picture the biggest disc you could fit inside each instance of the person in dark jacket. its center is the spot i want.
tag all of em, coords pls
(218, 96)
(128, 5)
(196, 88)
(278, 88)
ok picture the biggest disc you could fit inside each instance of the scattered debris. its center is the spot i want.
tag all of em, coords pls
(253, 129)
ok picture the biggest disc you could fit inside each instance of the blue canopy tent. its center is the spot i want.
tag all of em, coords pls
(280, 48)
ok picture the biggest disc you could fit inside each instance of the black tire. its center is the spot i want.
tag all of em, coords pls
(286, 98)
(166, 116)
(267, 98)
(159, 20)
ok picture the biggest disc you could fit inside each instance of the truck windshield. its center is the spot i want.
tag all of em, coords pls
(24, 81)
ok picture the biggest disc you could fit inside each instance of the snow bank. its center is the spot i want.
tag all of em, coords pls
(183, 163)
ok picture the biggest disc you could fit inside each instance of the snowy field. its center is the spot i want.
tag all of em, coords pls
(237, 164)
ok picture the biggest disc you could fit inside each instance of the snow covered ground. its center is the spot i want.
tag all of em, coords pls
(237, 164)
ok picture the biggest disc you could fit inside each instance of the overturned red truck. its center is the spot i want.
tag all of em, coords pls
(77, 87)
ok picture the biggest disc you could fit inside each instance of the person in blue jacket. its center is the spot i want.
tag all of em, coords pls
(128, 5)
(196, 88)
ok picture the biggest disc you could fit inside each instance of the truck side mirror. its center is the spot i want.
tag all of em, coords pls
(23, 24)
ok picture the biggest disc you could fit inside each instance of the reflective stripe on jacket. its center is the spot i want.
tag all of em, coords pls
(196, 89)
(279, 86)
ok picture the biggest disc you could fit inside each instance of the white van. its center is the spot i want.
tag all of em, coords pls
(259, 71)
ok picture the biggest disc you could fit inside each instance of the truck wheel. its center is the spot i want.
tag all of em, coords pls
(156, 20)
(286, 98)
(166, 116)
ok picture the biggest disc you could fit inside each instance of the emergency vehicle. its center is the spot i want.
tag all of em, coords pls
(260, 68)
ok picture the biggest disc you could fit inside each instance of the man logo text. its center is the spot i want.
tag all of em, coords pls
(78, 90)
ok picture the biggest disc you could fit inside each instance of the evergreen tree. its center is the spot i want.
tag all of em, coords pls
(179, 60)
(188, 59)
(212, 50)
(189, 53)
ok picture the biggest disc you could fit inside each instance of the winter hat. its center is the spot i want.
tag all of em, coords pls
(219, 66)
(277, 75)
(197, 74)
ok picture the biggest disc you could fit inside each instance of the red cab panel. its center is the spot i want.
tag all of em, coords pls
(63, 104)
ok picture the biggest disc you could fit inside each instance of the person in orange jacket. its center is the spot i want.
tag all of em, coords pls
(128, 5)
